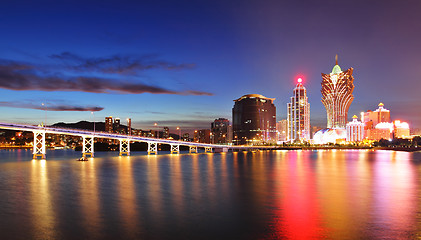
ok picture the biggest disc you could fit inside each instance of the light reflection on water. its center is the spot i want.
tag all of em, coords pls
(241, 195)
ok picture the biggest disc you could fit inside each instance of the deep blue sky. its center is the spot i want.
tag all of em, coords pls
(182, 63)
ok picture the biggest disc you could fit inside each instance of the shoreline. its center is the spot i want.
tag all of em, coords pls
(404, 149)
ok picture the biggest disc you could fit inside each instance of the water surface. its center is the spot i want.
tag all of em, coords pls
(353, 194)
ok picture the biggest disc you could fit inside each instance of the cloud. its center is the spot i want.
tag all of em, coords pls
(52, 107)
(197, 93)
(117, 64)
(23, 76)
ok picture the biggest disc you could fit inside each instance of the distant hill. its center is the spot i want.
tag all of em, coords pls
(99, 126)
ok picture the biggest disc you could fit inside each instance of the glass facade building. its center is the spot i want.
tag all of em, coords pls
(254, 120)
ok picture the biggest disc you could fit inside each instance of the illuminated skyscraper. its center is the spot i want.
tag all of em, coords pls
(282, 130)
(109, 124)
(166, 133)
(219, 129)
(299, 114)
(254, 119)
(337, 95)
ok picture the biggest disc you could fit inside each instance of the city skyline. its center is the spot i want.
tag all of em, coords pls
(183, 64)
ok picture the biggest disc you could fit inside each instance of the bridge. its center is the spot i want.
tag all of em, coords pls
(39, 148)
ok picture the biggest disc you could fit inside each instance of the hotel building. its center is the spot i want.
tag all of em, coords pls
(355, 130)
(254, 119)
(337, 88)
(298, 120)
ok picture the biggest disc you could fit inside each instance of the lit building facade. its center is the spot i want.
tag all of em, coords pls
(219, 129)
(202, 136)
(109, 124)
(298, 120)
(282, 130)
(372, 118)
(116, 124)
(355, 130)
(337, 88)
(401, 129)
(166, 133)
(254, 120)
(186, 137)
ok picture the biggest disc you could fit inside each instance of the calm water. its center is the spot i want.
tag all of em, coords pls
(271, 194)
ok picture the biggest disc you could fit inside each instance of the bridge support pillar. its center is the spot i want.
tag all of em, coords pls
(88, 146)
(39, 145)
(175, 148)
(208, 149)
(192, 149)
(152, 148)
(124, 147)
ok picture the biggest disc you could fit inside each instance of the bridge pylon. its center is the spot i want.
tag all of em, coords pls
(208, 149)
(175, 148)
(88, 146)
(152, 148)
(39, 144)
(192, 149)
(124, 147)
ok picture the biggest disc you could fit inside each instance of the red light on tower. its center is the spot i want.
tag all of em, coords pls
(299, 80)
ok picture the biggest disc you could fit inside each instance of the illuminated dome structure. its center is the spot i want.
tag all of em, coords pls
(329, 135)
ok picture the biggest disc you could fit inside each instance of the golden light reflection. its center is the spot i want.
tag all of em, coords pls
(89, 198)
(154, 186)
(197, 190)
(127, 198)
(335, 197)
(177, 183)
(211, 181)
(44, 218)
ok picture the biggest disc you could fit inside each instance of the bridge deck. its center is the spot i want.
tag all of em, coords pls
(96, 134)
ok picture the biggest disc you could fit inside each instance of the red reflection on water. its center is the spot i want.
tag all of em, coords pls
(296, 208)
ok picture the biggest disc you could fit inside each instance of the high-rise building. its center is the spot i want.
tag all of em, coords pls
(202, 136)
(186, 137)
(282, 130)
(401, 129)
(299, 114)
(377, 123)
(254, 119)
(337, 88)
(166, 133)
(116, 124)
(355, 130)
(109, 124)
(219, 129)
(372, 118)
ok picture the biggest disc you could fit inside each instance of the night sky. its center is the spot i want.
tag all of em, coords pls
(182, 63)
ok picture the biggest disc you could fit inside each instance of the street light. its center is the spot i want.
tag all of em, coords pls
(129, 126)
(93, 114)
(45, 109)
(157, 132)
(179, 133)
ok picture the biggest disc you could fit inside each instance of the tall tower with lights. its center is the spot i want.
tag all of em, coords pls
(337, 88)
(299, 114)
